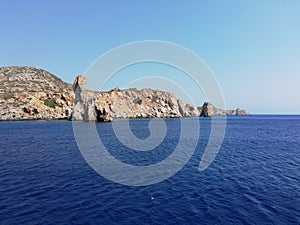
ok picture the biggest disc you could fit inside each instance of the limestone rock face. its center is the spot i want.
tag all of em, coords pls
(130, 103)
(209, 110)
(85, 107)
(28, 93)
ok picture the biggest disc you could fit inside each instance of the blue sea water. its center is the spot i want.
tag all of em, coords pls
(255, 178)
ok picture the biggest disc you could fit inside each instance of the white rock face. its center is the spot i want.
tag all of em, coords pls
(131, 103)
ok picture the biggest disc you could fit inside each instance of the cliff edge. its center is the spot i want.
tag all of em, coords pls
(28, 93)
(133, 103)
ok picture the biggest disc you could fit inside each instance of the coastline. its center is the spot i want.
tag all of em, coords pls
(28, 93)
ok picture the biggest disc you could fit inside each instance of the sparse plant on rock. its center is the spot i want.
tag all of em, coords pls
(137, 101)
(7, 96)
(154, 98)
(50, 103)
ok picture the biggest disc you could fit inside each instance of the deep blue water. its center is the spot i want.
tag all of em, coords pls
(255, 178)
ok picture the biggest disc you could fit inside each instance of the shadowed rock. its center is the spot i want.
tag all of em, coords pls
(209, 110)
(130, 103)
(85, 107)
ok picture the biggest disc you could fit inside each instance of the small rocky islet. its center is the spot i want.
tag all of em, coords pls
(28, 93)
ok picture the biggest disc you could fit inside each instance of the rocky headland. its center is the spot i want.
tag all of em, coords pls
(28, 93)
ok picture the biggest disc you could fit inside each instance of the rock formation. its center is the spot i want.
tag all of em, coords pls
(28, 93)
(85, 107)
(133, 103)
(209, 110)
(130, 103)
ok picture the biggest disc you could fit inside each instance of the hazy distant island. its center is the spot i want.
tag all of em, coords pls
(28, 93)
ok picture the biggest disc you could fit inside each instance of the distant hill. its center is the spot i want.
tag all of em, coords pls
(23, 78)
(31, 93)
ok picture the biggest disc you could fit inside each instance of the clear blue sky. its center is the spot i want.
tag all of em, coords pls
(253, 47)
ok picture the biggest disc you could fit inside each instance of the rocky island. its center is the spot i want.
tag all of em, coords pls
(28, 93)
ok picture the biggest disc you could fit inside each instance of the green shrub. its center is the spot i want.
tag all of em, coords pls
(8, 96)
(137, 101)
(50, 103)
(154, 98)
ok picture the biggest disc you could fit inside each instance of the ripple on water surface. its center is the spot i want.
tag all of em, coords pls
(254, 180)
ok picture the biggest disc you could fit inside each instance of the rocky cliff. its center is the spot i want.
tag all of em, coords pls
(130, 103)
(208, 110)
(133, 103)
(28, 93)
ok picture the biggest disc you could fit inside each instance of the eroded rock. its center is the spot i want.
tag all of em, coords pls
(28, 93)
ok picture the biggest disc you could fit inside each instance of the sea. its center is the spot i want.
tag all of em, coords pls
(253, 179)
